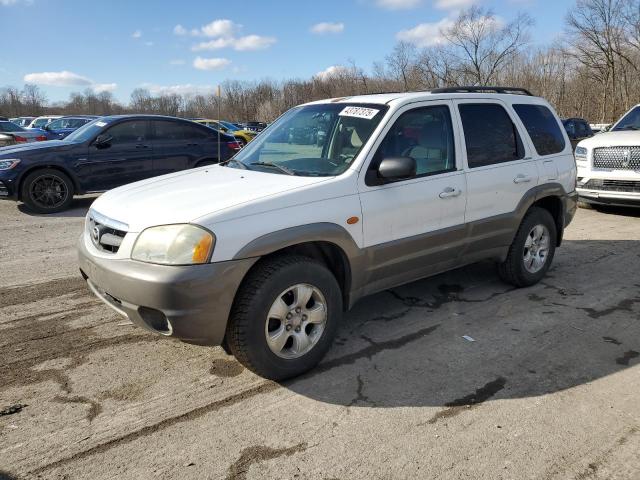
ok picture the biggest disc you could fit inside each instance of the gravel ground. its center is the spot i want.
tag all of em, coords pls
(548, 389)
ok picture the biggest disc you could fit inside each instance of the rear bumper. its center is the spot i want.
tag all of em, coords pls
(190, 303)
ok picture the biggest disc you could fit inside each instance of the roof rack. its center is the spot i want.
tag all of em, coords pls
(514, 90)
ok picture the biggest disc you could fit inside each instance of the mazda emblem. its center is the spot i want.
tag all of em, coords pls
(95, 234)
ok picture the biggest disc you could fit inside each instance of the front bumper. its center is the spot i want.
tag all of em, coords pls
(190, 303)
(8, 184)
(600, 197)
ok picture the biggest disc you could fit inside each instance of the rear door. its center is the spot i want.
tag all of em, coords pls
(125, 159)
(500, 169)
(179, 145)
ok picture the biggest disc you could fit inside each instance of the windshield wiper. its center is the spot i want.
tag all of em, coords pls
(226, 162)
(286, 170)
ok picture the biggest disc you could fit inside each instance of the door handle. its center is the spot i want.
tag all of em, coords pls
(450, 192)
(140, 145)
(520, 178)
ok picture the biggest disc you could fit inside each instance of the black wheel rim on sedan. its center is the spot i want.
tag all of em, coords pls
(48, 191)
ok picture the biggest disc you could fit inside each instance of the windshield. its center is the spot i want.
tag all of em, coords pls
(10, 127)
(67, 123)
(315, 140)
(229, 126)
(631, 121)
(87, 131)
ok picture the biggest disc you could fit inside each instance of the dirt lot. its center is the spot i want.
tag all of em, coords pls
(548, 389)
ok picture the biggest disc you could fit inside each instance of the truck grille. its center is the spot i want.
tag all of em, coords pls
(613, 185)
(619, 158)
(106, 234)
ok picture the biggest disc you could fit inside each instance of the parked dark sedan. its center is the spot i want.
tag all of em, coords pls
(106, 153)
(62, 127)
(578, 129)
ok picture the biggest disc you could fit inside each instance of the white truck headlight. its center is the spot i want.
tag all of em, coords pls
(580, 153)
(174, 245)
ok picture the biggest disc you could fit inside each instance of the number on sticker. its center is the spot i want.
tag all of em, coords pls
(359, 112)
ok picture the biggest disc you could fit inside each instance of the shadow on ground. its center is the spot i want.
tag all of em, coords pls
(405, 347)
(79, 208)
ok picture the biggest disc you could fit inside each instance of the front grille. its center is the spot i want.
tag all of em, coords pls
(618, 158)
(105, 234)
(632, 186)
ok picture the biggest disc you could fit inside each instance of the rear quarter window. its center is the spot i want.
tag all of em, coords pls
(542, 127)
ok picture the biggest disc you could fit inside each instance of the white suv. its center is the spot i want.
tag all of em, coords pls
(609, 164)
(336, 200)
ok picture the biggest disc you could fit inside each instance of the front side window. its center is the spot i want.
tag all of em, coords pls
(424, 134)
(128, 132)
(631, 121)
(314, 140)
(490, 135)
(542, 127)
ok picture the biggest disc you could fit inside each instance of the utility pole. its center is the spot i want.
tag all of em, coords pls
(219, 100)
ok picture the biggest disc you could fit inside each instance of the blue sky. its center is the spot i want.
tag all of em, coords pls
(69, 45)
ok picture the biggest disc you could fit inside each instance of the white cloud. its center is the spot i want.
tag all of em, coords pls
(68, 79)
(181, 89)
(398, 4)
(104, 87)
(250, 42)
(57, 79)
(210, 63)
(327, 27)
(253, 42)
(454, 4)
(425, 34)
(219, 28)
(332, 71)
(224, 34)
(136, 34)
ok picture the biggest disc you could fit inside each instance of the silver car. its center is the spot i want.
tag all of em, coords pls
(12, 134)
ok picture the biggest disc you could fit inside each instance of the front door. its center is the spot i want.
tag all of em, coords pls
(415, 226)
(125, 158)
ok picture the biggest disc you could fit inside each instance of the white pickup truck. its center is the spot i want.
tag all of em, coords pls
(609, 164)
(336, 200)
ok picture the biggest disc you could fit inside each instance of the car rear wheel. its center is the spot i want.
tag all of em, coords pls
(47, 191)
(284, 317)
(532, 250)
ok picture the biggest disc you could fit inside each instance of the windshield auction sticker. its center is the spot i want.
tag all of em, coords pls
(359, 112)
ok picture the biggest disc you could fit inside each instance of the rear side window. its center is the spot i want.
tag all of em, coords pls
(542, 127)
(167, 130)
(128, 132)
(490, 135)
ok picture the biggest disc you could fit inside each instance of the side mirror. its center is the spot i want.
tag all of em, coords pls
(397, 168)
(103, 141)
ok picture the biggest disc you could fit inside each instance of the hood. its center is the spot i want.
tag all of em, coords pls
(31, 147)
(185, 196)
(624, 138)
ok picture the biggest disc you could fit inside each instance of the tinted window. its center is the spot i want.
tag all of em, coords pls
(166, 130)
(490, 135)
(543, 128)
(426, 135)
(128, 132)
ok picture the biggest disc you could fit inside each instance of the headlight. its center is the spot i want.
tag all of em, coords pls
(9, 163)
(580, 153)
(174, 245)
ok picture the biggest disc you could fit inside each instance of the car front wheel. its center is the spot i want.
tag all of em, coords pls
(47, 191)
(284, 317)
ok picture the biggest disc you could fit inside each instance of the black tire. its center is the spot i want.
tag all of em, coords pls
(60, 186)
(513, 269)
(246, 336)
